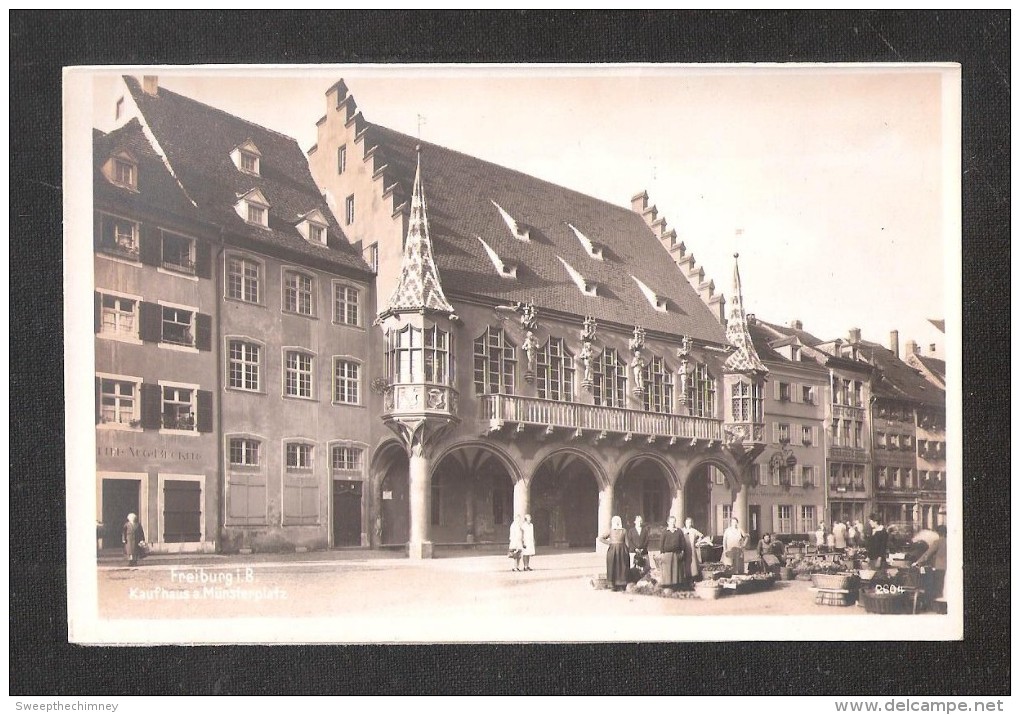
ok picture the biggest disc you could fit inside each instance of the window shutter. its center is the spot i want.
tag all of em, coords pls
(775, 389)
(203, 259)
(204, 419)
(150, 322)
(98, 400)
(98, 311)
(775, 432)
(795, 394)
(775, 519)
(203, 331)
(152, 398)
(150, 248)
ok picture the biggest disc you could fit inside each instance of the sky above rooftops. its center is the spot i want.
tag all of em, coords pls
(828, 183)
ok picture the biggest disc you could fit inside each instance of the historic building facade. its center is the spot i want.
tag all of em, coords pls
(541, 356)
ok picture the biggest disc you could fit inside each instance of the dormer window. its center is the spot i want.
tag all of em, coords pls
(521, 234)
(312, 227)
(586, 286)
(504, 268)
(253, 207)
(655, 300)
(593, 249)
(316, 234)
(247, 157)
(122, 169)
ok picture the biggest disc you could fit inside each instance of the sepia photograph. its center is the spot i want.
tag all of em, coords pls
(513, 353)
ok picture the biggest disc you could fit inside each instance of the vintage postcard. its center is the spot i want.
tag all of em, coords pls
(511, 353)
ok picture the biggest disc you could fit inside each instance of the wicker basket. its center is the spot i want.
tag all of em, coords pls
(834, 581)
(891, 603)
(827, 598)
(708, 590)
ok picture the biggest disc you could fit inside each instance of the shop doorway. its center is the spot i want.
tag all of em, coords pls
(347, 513)
(182, 511)
(120, 498)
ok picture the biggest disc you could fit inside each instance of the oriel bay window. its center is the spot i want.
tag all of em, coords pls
(555, 373)
(702, 402)
(495, 363)
(747, 401)
(417, 355)
(610, 388)
(658, 394)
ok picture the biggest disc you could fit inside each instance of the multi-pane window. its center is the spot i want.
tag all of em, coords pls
(256, 214)
(784, 519)
(297, 380)
(746, 401)
(243, 279)
(178, 253)
(119, 236)
(118, 315)
(249, 162)
(118, 401)
(806, 434)
(807, 475)
(783, 389)
(858, 434)
(346, 382)
(298, 290)
(437, 356)
(807, 396)
(124, 172)
(244, 452)
(178, 408)
(346, 304)
(495, 363)
(341, 159)
(782, 433)
(610, 388)
(658, 394)
(316, 234)
(702, 392)
(807, 518)
(882, 477)
(244, 362)
(299, 456)
(349, 209)
(177, 326)
(555, 374)
(347, 459)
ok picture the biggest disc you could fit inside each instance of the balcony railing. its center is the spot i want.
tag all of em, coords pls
(124, 249)
(515, 409)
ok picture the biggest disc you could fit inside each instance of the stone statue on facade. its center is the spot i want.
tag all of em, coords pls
(638, 364)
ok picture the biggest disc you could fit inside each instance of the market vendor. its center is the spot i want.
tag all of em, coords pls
(877, 542)
(931, 545)
(734, 540)
(770, 552)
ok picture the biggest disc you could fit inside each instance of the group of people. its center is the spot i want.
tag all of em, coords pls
(627, 558)
(842, 535)
(522, 542)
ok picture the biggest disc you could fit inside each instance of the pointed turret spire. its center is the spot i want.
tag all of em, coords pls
(418, 289)
(744, 358)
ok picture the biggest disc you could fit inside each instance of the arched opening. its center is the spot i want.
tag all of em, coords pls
(643, 489)
(564, 499)
(708, 498)
(392, 525)
(472, 497)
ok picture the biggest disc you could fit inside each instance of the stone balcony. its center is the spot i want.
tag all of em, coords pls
(500, 411)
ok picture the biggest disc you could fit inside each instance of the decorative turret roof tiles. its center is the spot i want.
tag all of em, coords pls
(744, 358)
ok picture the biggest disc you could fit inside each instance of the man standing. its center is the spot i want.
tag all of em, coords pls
(133, 538)
(733, 541)
(877, 543)
(933, 556)
(637, 544)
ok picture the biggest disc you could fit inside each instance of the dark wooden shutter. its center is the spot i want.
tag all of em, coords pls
(152, 399)
(150, 247)
(203, 259)
(99, 400)
(98, 311)
(150, 322)
(205, 416)
(203, 331)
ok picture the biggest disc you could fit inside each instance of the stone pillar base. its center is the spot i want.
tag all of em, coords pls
(417, 552)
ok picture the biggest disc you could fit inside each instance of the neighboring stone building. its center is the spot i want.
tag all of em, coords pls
(264, 357)
(542, 355)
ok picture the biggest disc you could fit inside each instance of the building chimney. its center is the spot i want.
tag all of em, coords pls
(150, 84)
(911, 348)
(894, 342)
(796, 325)
(855, 336)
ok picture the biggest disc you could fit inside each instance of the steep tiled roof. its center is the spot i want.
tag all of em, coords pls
(935, 366)
(804, 336)
(157, 189)
(465, 195)
(762, 340)
(198, 140)
(898, 380)
(744, 358)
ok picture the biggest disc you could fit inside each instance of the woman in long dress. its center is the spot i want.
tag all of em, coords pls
(618, 556)
(692, 559)
(671, 556)
(528, 541)
(516, 542)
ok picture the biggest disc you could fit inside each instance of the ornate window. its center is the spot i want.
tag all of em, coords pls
(420, 355)
(610, 388)
(495, 363)
(555, 371)
(747, 401)
(658, 394)
(702, 392)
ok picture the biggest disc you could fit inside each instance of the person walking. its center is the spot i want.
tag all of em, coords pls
(637, 544)
(516, 542)
(527, 541)
(733, 541)
(618, 557)
(692, 557)
(671, 555)
(133, 537)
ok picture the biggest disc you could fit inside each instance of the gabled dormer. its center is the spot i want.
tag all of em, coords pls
(247, 157)
(253, 207)
(312, 226)
(122, 169)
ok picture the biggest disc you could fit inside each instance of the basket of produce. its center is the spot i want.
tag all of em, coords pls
(889, 603)
(715, 570)
(867, 574)
(832, 581)
(828, 598)
(708, 590)
(786, 573)
(748, 583)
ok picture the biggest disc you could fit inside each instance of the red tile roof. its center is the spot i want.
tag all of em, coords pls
(460, 191)
(198, 140)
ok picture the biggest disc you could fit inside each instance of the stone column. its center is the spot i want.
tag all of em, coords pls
(469, 509)
(419, 546)
(740, 506)
(676, 507)
(605, 515)
(522, 495)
